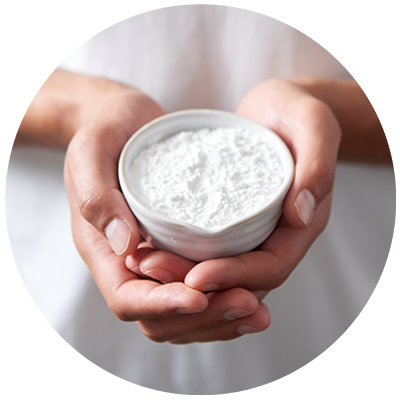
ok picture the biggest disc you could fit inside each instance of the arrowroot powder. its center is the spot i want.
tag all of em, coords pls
(207, 178)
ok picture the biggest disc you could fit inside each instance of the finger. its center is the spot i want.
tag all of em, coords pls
(128, 296)
(314, 135)
(91, 168)
(133, 260)
(257, 270)
(265, 268)
(223, 308)
(261, 294)
(255, 323)
(165, 266)
(142, 299)
(143, 244)
(97, 193)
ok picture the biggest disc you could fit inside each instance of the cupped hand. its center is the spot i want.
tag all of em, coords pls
(312, 133)
(105, 231)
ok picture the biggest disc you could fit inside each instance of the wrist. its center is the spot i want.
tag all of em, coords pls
(64, 102)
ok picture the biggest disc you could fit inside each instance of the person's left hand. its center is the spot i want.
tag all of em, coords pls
(313, 135)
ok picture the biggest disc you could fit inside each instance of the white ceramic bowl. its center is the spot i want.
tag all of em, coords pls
(189, 241)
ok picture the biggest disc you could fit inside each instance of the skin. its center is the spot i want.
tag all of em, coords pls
(320, 120)
(179, 311)
(265, 269)
(213, 300)
(163, 311)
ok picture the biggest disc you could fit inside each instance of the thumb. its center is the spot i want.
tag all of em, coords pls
(106, 209)
(91, 179)
(310, 130)
(314, 141)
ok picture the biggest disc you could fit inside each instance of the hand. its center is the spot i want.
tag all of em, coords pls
(313, 134)
(105, 231)
(229, 314)
(103, 226)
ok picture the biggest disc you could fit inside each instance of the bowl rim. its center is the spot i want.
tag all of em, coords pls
(288, 178)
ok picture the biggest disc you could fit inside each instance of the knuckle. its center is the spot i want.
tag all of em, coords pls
(324, 177)
(120, 313)
(315, 112)
(90, 204)
(118, 306)
(207, 325)
(327, 174)
(320, 178)
(280, 276)
(153, 331)
(315, 109)
(155, 338)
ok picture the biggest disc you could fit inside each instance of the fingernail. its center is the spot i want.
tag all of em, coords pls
(235, 313)
(305, 205)
(118, 235)
(130, 263)
(246, 329)
(260, 294)
(207, 287)
(210, 295)
(188, 311)
(159, 274)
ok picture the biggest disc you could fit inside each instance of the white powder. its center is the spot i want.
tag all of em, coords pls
(207, 178)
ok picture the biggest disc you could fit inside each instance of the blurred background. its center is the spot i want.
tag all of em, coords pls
(333, 322)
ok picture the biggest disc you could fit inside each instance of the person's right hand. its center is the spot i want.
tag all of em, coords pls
(105, 231)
